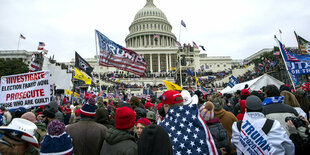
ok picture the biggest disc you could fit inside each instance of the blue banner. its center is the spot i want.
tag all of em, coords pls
(232, 82)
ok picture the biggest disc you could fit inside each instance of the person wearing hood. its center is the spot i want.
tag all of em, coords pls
(102, 117)
(154, 140)
(226, 118)
(121, 140)
(49, 112)
(219, 134)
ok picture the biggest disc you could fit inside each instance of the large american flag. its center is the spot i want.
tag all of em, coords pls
(188, 132)
(114, 55)
(286, 54)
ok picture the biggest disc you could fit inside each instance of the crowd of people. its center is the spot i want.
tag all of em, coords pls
(273, 119)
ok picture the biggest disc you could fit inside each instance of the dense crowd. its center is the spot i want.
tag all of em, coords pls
(135, 125)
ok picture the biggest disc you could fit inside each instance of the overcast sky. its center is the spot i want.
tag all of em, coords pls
(236, 28)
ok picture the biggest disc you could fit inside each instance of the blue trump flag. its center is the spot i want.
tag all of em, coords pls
(232, 82)
(188, 132)
(296, 64)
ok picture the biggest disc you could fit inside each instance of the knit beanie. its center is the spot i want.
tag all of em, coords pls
(56, 141)
(207, 111)
(89, 108)
(29, 116)
(143, 121)
(125, 118)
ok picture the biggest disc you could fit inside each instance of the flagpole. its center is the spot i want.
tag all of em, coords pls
(285, 63)
(280, 32)
(180, 34)
(18, 42)
(97, 59)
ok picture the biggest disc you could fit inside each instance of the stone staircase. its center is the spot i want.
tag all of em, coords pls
(235, 73)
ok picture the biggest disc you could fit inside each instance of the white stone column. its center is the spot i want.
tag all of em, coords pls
(145, 41)
(150, 44)
(167, 63)
(158, 62)
(169, 59)
(140, 41)
(151, 63)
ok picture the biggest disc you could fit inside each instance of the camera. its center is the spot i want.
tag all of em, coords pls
(297, 121)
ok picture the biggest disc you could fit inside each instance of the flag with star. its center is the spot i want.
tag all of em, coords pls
(188, 132)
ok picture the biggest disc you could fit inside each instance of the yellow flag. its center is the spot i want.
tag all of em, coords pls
(171, 86)
(172, 68)
(76, 95)
(68, 92)
(198, 84)
(118, 81)
(80, 76)
(246, 66)
(195, 78)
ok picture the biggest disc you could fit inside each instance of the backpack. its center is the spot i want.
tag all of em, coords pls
(266, 128)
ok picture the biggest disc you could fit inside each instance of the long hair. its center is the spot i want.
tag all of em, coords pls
(290, 99)
(302, 98)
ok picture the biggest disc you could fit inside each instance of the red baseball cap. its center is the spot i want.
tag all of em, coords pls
(245, 92)
(172, 97)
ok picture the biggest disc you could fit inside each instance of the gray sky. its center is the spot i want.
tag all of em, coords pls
(236, 28)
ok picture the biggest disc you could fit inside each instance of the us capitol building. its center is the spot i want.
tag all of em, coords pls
(150, 36)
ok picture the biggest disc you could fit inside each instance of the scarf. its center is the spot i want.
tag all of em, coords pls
(275, 99)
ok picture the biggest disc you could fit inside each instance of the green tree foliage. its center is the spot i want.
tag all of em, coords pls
(10, 67)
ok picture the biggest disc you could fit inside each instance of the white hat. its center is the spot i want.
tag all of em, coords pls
(22, 129)
(195, 99)
(187, 99)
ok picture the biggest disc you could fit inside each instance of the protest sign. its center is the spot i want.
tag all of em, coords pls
(29, 89)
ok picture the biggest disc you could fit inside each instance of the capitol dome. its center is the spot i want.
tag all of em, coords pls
(150, 28)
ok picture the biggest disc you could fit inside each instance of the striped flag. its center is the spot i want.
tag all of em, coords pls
(287, 55)
(195, 45)
(34, 66)
(41, 46)
(178, 44)
(114, 55)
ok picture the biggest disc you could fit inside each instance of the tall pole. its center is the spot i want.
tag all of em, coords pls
(97, 59)
(289, 74)
(180, 34)
(18, 43)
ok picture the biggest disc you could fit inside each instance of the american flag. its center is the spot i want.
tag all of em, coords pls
(178, 44)
(287, 55)
(110, 96)
(188, 132)
(156, 36)
(41, 46)
(204, 90)
(34, 66)
(195, 45)
(114, 55)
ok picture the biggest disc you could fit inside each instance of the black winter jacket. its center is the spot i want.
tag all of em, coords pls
(219, 134)
(119, 142)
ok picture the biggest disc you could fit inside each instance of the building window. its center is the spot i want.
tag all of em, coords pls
(224, 65)
(218, 65)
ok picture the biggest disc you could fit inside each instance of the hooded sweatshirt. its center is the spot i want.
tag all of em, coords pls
(119, 142)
